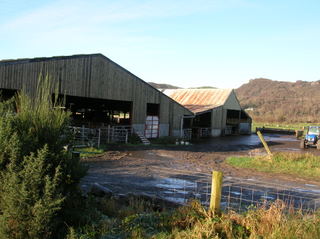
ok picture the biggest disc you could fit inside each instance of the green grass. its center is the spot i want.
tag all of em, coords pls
(89, 151)
(296, 126)
(300, 165)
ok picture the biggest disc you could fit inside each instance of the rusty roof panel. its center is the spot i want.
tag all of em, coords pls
(199, 100)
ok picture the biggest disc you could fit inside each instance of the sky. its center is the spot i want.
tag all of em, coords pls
(187, 43)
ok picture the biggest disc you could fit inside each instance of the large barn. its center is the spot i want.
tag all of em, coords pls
(99, 92)
(218, 111)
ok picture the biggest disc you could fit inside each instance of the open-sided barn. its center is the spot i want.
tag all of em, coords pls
(217, 110)
(99, 92)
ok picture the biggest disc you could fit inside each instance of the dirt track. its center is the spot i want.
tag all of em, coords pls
(129, 169)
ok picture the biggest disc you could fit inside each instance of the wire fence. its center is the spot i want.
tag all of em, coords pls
(237, 194)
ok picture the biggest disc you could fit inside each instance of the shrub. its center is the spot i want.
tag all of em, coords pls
(39, 178)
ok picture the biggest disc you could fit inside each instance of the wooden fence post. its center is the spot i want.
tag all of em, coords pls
(108, 141)
(99, 135)
(216, 189)
(112, 134)
(264, 143)
(82, 135)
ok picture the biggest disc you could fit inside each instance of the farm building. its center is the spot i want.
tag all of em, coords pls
(99, 93)
(218, 111)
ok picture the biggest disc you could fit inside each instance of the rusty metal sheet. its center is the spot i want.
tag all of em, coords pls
(199, 100)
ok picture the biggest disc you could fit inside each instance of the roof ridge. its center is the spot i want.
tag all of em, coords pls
(35, 59)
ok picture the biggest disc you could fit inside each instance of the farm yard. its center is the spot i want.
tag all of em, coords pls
(179, 173)
(133, 178)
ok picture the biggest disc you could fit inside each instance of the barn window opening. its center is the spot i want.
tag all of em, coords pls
(94, 112)
(153, 109)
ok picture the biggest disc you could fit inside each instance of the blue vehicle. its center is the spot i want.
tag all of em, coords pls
(311, 138)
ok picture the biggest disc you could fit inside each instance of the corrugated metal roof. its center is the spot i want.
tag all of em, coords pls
(199, 100)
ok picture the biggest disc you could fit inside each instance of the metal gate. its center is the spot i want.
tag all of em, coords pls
(152, 127)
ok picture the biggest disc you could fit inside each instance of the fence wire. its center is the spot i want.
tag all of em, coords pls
(238, 194)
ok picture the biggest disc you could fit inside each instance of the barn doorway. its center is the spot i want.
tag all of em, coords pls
(233, 122)
(202, 125)
(152, 121)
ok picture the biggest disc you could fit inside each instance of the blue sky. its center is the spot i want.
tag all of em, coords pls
(221, 43)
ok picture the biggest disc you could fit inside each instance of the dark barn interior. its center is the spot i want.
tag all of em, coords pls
(233, 120)
(202, 120)
(153, 109)
(94, 112)
(6, 94)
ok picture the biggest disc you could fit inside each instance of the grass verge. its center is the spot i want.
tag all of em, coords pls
(139, 219)
(89, 151)
(292, 126)
(301, 165)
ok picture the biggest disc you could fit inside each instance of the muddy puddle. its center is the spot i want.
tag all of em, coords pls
(253, 139)
(245, 142)
(180, 174)
(237, 194)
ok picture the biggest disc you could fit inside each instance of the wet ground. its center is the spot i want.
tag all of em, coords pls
(182, 172)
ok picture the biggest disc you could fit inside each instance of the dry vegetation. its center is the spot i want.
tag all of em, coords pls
(138, 219)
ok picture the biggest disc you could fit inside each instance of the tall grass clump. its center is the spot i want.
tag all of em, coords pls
(193, 221)
(39, 179)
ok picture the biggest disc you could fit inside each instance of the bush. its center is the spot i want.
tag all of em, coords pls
(39, 178)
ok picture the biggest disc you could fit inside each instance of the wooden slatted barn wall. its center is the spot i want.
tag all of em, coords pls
(92, 76)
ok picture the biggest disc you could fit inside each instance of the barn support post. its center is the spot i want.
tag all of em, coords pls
(216, 189)
(181, 127)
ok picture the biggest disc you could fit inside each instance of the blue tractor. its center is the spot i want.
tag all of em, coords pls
(311, 138)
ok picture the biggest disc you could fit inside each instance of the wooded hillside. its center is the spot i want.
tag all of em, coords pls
(276, 101)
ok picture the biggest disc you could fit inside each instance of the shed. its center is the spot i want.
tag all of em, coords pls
(218, 111)
(99, 92)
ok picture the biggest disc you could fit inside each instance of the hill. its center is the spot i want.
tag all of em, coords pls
(277, 101)
(168, 86)
(163, 86)
(204, 87)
